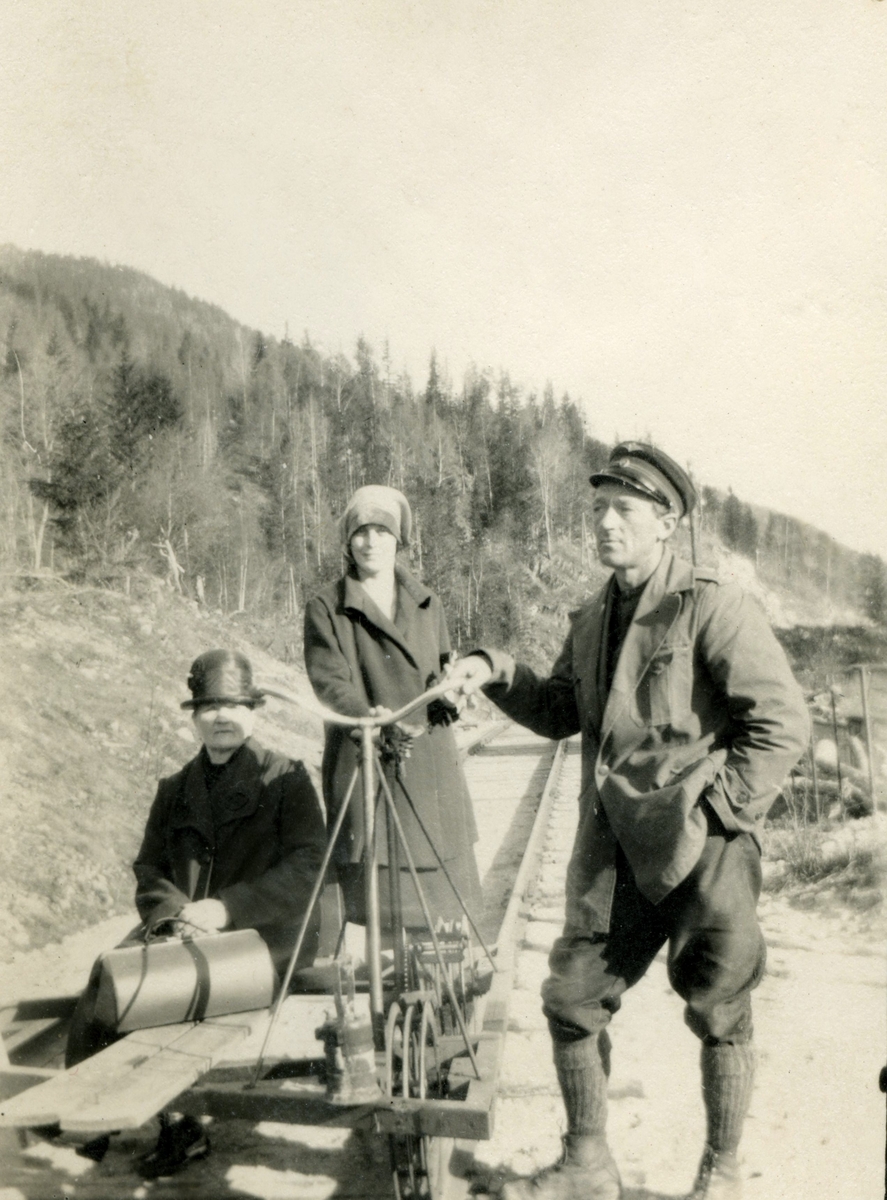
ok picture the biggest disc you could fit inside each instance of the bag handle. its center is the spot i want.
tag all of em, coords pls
(151, 933)
(151, 927)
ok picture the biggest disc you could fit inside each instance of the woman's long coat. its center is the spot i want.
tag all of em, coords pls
(356, 659)
(257, 847)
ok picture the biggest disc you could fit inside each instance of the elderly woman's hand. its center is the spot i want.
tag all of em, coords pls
(205, 915)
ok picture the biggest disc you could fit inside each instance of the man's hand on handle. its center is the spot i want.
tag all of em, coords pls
(467, 675)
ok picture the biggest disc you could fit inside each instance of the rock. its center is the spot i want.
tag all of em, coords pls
(773, 871)
(866, 898)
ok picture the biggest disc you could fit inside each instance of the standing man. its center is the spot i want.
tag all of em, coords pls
(690, 719)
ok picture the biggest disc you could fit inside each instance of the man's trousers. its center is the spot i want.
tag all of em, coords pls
(716, 952)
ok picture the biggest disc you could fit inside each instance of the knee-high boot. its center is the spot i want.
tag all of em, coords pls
(727, 1080)
(587, 1170)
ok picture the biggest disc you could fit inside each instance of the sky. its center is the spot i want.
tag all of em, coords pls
(673, 211)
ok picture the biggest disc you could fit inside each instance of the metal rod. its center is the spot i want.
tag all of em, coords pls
(315, 892)
(837, 753)
(371, 889)
(443, 867)
(428, 921)
(334, 718)
(815, 775)
(867, 723)
(395, 906)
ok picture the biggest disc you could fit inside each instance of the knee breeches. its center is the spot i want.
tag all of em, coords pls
(716, 953)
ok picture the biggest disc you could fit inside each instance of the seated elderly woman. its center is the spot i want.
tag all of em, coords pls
(234, 840)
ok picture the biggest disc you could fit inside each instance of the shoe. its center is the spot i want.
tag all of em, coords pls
(96, 1149)
(586, 1171)
(47, 1132)
(179, 1143)
(718, 1177)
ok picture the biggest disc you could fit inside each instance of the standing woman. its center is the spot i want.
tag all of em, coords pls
(375, 640)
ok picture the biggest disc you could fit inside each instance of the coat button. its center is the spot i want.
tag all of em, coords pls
(604, 769)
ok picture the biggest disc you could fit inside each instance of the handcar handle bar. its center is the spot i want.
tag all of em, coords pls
(334, 718)
(367, 768)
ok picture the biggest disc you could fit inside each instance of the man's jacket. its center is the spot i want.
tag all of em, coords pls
(703, 711)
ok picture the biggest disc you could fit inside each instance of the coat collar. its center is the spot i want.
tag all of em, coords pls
(659, 606)
(235, 795)
(411, 595)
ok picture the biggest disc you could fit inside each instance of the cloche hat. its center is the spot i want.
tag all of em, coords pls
(375, 504)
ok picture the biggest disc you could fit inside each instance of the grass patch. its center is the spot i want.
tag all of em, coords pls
(847, 858)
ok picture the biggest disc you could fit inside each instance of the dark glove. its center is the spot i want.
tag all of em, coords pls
(396, 742)
(440, 711)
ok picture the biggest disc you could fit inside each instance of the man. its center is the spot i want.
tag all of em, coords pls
(690, 719)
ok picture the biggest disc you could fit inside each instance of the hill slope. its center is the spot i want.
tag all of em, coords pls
(143, 431)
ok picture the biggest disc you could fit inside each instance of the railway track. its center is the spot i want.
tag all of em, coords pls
(524, 790)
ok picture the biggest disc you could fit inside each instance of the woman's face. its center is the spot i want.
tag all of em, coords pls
(223, 728)
(374, 549)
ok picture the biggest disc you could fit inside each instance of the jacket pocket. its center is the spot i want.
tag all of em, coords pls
(664, 694)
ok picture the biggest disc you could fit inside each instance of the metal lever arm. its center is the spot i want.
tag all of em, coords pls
(334, 718)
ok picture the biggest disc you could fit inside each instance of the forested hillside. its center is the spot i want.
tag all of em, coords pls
(144, 430)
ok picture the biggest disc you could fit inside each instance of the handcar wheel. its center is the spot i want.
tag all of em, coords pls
(419, 1164)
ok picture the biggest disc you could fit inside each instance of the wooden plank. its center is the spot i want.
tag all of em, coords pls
(126, 1084)
(33, 1031)
(25, 1033)
(35, 1010)
(16, 1079)
(299, 1103)
(291, 1101)
(434, 1118)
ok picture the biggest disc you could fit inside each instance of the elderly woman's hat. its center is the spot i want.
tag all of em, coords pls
(649, 471)
(222, 677)
(377, 505)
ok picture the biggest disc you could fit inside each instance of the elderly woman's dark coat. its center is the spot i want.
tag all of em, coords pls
(356, 659)
(253, 840)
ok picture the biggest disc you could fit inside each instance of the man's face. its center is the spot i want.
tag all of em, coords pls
(223, 728)
(628, 529)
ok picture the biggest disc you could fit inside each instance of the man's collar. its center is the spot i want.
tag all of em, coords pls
(671, 574)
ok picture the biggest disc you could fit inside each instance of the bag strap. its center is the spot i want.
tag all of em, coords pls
(209, 876)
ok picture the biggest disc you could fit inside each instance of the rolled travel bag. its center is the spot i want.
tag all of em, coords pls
(165, 981)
